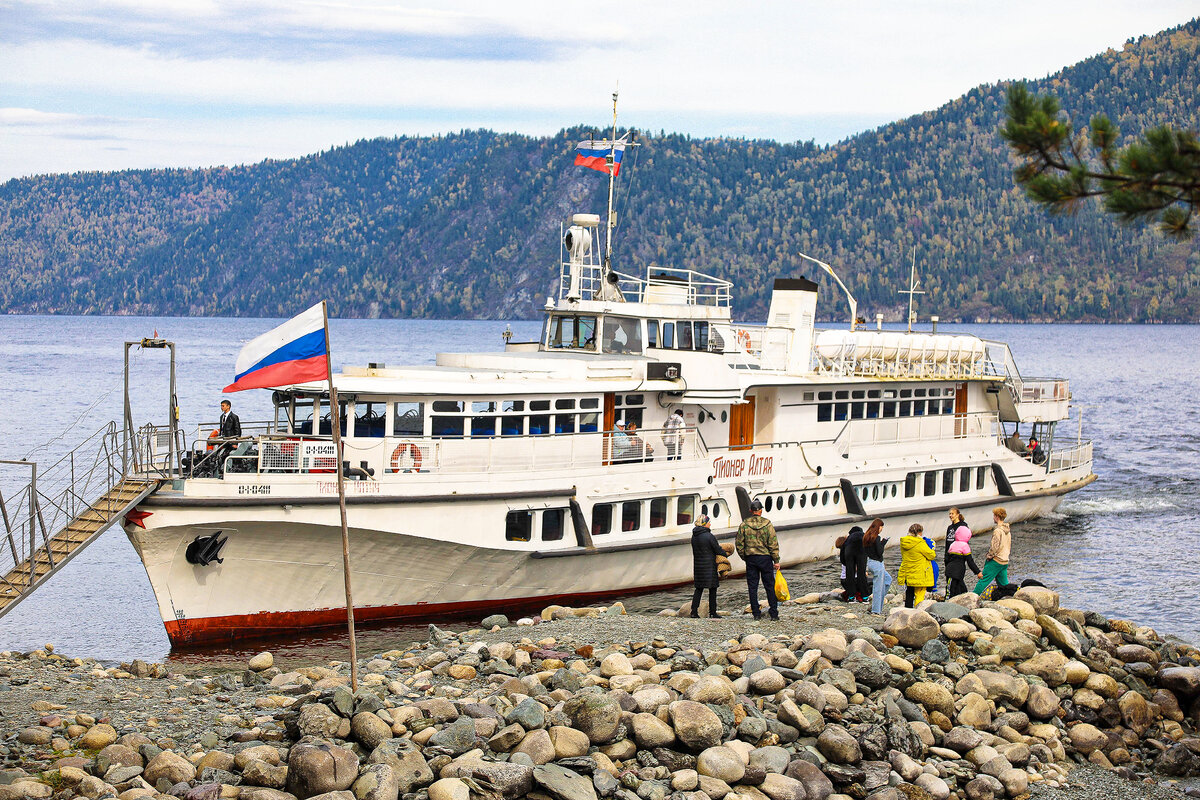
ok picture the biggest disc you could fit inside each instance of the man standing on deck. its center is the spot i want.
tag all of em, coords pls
(673, 435)
(759, 548)
(231, 426)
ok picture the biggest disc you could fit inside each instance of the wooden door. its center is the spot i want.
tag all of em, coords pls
(741, 425)
(960, 409)
(610, 420)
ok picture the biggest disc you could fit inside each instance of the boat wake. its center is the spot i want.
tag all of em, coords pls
(1112, 505)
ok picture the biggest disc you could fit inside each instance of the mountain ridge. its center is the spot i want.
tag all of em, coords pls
(465, 224)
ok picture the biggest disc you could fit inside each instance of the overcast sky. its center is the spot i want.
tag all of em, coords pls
(112, 84)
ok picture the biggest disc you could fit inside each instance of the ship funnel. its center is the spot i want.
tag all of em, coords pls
(793, 305)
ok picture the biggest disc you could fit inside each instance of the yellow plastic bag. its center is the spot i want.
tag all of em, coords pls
(781, 588)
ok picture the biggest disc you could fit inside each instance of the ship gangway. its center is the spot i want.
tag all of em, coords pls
(51, 512)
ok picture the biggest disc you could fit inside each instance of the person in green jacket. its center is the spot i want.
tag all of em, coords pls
(916, 565)
(759, 548)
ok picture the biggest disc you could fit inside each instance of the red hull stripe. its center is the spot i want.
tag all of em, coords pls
(212, 630)
(284, 373)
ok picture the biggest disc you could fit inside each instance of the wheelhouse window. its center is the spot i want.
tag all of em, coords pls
(652, 333)
(602, 519)
(518, 526)
(408, 419)
(685, 509)
(553, 524)
(685, 335)
(668, 335)
(572, 331)
(701, 337)
(370, 419)
(622, 335)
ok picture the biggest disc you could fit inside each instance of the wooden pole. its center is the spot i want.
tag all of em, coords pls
(336, 425)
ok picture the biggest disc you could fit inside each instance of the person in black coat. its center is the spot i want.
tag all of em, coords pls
(705, 549)
(855, 559)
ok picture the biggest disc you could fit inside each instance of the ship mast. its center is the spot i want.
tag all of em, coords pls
(612, 180)
(912, 290)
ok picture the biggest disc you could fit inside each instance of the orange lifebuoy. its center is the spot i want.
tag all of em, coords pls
(743, 338)
(414, 453)
(212, 436)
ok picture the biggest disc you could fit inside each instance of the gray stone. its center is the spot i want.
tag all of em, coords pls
(948, 610)
(873, 672)
(528, 713)
(170, 766)
(772, 759)
(316, 719)
(458, 737)
(369, 730)
(935, 652)
(962, 739)
(494, 620)
(649, 731)
(408, 764)
(781, 787)
(913, 628)
(376, 782)
(696, 725)
(597, 715)
(509, 779)
(1059, 634)
(722, 763)
(836, 744)
(563, 784)
(320, 767)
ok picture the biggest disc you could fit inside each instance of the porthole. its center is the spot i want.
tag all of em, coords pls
(769, 499)
(813, 500)
(837, 496)
(779, 503)
(894, 490)
(874, 492)
(704, 509)
(724, 416)
(791, 501)
(825, 497)
(803, 500)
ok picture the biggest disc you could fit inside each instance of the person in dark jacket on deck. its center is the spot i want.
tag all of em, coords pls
(855, 560)
(705, 550)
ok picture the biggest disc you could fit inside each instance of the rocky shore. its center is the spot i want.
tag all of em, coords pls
(957, 699)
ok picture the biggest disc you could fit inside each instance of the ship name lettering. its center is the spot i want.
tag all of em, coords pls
(737, 467)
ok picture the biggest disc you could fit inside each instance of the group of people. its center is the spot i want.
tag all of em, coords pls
(1032, 450)
(628, 445)
(756, 544)
(864, 574)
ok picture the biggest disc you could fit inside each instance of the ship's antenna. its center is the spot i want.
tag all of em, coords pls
(612, 179)
(912, 290)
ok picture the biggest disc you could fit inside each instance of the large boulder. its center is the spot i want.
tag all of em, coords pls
(714, 689)
(1042, 703)
(1050, 666)
(509, 780)
(933, 696)
(911, 627)
(597, 715)
(649, 731)
(376, 782)
(1135, 712)
(837, 745)
(781, 787)
(1085, 738)
(171, 766)
(696, 725)
(831, 642)
(723, 763)
(319, 720)
(873, 672)
(409, 767)
(816, 783)
(369, 730)
(1043, 600)
(1014, 646)
(1183, 681)
(1059, 634)
(564, 784)
(802, 717)
(458, 737)
(320, 767)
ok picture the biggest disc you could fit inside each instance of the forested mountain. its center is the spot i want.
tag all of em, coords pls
(467, 224)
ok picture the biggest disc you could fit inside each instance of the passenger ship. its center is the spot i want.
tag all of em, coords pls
(500, 481)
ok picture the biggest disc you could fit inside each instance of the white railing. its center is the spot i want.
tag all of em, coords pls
(394, 456)
(660, 285)
(766, 346)
(1044, 390)
(982, 425)
(1069, 458)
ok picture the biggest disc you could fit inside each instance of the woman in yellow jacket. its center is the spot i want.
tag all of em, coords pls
(916, 565)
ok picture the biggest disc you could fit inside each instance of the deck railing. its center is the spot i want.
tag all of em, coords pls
(1069, 457)
(983, 425)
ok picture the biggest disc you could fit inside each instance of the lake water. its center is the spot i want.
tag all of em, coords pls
(1125, 546)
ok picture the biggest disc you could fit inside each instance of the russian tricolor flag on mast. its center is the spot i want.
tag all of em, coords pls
(295, 352)
(595, 154)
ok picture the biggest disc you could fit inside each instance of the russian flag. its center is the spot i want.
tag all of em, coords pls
(594, 155)
(292, 353)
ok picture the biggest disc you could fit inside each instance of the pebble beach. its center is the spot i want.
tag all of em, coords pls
(955, 699)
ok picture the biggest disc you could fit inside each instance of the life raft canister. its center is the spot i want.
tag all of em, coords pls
(743, 338)
(414, 455)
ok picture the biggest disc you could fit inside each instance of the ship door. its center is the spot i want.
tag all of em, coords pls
(610, 421)
(741, 425)
(960, 409)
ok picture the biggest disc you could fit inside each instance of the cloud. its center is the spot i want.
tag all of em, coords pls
(283, 32)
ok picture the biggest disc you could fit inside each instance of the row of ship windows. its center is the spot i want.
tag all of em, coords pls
(822, 497)
(928, 481)
(632, 515)
(836, 411)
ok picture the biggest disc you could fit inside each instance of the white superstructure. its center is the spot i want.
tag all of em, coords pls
(501, 482)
